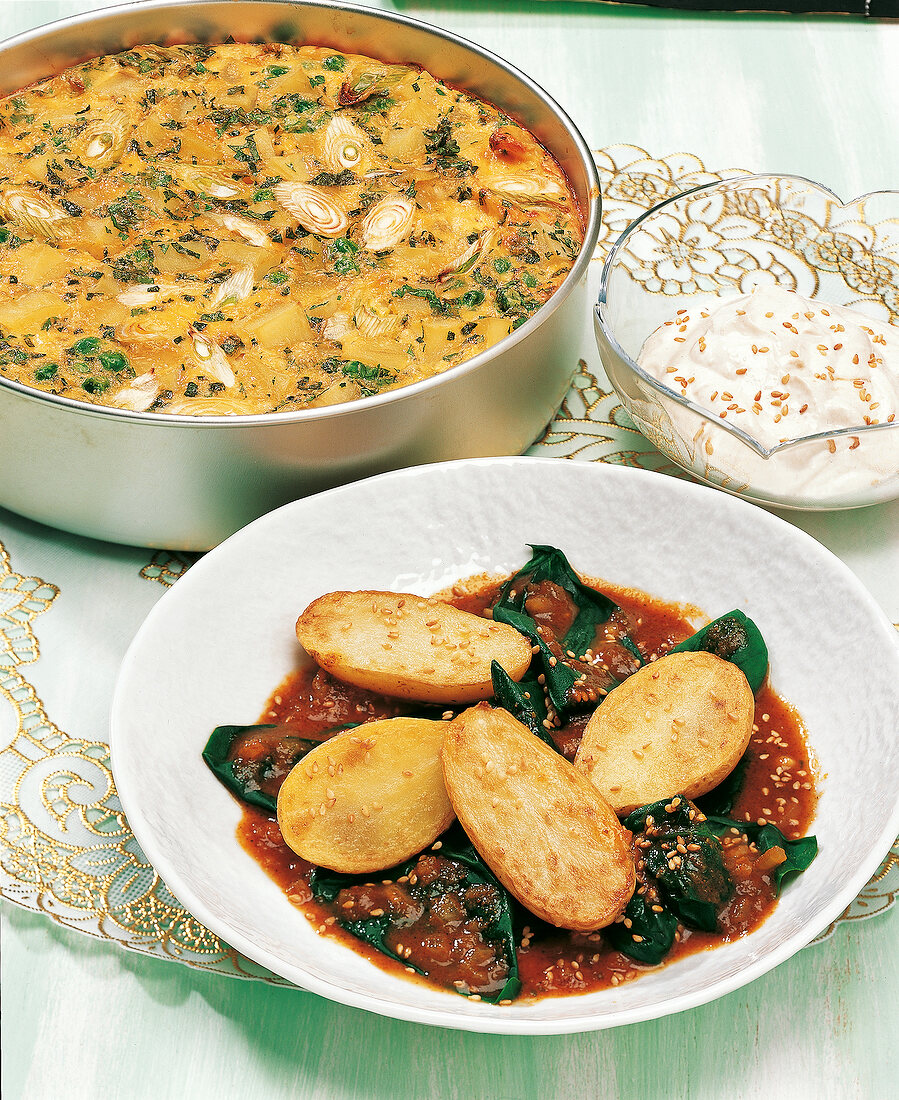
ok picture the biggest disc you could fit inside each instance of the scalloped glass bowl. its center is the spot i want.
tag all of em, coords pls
(723, 240)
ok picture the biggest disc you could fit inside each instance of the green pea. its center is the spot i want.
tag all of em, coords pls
(113, 360)
(92, 384)
(90, 345)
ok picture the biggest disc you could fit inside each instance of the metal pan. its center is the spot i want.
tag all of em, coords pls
(186, 482)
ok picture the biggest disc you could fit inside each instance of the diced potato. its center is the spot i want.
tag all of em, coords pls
(409, 646)
(368, 798)
(42, 263)
(29, 311)
(281, 326)
(543, 829)
(677, 726)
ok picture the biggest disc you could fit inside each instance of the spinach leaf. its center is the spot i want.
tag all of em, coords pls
(523, 700)
(468, 886)
(693, 883)
(245, 778)
(649, 935)
(588, 611)
(471, 299)
(733, 637)
(799, 853)
(681, 875)
(549, 564)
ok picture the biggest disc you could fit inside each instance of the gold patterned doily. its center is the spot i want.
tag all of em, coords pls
(65, 847)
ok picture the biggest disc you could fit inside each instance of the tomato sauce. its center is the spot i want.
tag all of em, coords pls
(778, 788)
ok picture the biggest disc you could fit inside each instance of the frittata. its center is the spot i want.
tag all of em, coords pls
(242, 229)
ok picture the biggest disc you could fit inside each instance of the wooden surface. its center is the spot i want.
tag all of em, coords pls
(83, 1018)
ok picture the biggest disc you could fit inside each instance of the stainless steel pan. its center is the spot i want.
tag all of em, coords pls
(186, 482)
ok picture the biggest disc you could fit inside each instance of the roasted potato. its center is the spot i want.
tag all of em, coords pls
(409, 646)
(368, 798)
(677, 726)
(539, 824)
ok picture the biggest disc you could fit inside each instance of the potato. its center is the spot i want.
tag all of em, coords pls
(539, 824)
(677, 726)
(368, 798)
(409, 646)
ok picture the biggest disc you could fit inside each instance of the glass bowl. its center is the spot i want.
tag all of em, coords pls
(724, 240)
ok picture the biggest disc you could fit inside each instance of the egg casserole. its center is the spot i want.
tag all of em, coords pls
(242, 229)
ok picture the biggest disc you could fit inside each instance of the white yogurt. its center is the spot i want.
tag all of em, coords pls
(782, 367)
(778, 365)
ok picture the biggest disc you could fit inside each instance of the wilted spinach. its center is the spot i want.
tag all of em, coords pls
(593, 609)
(523, 700)
(247, 779)
(733, 637)
(496, 918)
(721, 799)
(684, 876)
(694, 884)
(650, 935)
(590, 611)
(799, 853)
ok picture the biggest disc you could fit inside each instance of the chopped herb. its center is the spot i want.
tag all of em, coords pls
(125, 211)
(342, 250)
(370, 379)
(439, 141)
(570, 246)
(330, 179)
(247, 152)
(511, 300)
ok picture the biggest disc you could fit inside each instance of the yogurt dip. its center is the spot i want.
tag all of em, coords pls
(782, 367)
(778, 365)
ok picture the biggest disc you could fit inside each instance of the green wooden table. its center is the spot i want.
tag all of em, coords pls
(84, 1018)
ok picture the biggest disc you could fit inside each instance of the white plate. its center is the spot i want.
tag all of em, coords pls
(222, 638)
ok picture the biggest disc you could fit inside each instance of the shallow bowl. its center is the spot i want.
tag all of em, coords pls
(221, 640)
